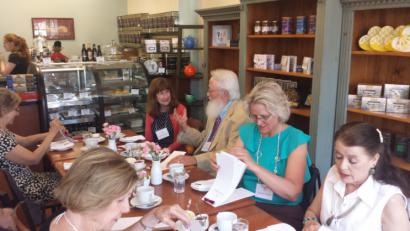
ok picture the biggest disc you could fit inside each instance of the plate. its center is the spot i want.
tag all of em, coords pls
(213, 227)
(119, 135)
(202, 185)
(149, 157)
(131, 139)
(100, 139)
(157, 201)
(62, 145)
(168, 177)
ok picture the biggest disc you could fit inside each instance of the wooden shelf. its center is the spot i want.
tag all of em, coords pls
(301, 111)
(282, 36)
(387, 53)
(400, 163)
(294, 74)
(404, 118)
(224, 48)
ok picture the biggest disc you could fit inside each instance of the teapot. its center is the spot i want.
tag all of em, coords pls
(189, 70)
(189, 42)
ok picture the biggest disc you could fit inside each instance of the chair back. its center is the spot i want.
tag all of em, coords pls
(29, 215)
(311, 187)
(9, 187)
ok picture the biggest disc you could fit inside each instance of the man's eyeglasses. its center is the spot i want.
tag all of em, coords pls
(260, 117)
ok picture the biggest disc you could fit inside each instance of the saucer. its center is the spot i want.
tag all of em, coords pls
(213, 227)
(157, 201)
(149, 157)
(62, 145)
(202, 185)
(169, 178)
(100, 139)
(130, 139)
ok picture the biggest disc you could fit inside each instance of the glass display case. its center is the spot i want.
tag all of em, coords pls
(122, 87)
(86, 95)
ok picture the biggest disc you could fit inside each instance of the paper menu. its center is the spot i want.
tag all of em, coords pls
(229, 174)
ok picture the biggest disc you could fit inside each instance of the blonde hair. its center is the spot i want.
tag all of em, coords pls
(96, 178)
(8, 101)
(19, 45)
(271, 95)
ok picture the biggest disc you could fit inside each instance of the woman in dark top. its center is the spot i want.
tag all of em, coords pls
(19, 57)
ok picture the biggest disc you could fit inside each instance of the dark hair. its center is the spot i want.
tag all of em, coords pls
(157, 85)
(57, 44)
(20, 45)
(366, 136)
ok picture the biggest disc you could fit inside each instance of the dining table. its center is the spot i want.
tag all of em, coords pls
(189, 200)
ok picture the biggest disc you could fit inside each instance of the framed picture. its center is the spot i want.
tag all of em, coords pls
(221, 35)
(53, 28)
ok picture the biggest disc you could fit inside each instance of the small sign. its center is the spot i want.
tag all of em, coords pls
(85, 111)
(161, 70)
(135, 91)
(107, 112)
(100, 59)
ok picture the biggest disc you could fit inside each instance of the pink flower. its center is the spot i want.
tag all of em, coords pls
(111, 130)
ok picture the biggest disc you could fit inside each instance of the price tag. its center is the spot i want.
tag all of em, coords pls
(100, 59)
(72, 112)
(84, 94)
(135, 91)
(131, 110)
(85, 111)
(68, 95)
(161, 70)
(107, 112)
(46, 60)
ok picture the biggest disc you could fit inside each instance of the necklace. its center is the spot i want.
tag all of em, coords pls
(345, 213)
(259, 153)
(70, 223)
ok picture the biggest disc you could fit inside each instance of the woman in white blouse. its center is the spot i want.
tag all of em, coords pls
(362, 191)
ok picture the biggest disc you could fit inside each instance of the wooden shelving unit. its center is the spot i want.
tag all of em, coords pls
(224, 48)
(300, 45)
(379, 68)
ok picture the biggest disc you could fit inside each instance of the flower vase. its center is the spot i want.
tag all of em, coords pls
(112, 144)
(156, 173)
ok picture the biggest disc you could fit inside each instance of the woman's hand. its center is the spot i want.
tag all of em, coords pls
(56, 126)
(311, 226)
(181, 120)
(168, 214)
(243, 155)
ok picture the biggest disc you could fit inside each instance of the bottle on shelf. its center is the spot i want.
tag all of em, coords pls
(89, 53)
(84, 53)
(99, 53)
(94, 51)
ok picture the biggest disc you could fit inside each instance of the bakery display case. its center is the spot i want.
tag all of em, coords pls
(86, 95)
(122, 89)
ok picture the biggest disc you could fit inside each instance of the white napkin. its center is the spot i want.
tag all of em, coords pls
(126, 222)
(170, 157)
(67, 165)
(278, 227)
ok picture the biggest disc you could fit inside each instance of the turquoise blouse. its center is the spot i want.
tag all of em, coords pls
(290, 139)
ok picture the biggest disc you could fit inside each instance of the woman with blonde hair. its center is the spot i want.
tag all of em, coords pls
(19, 57)
(16, 158)
(107, 182)
(276, 154)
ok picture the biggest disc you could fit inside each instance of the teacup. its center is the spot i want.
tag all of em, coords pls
(131, 160)
(145, 194)
(225, 220)
(139, 165)
(175, 167)
(95, 135)
(91, 142)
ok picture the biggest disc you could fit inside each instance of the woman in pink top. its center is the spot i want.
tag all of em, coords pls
(160, 122)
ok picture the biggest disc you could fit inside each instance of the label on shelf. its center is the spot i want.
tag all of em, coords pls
(135, 91)
(131, 110)
(107, 112)
(100, 59)
(72, 112)
(161, 70)
(85, 111)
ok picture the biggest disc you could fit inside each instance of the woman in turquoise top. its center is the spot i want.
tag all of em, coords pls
(276, 154)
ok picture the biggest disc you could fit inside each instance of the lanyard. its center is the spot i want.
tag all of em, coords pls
(259, 153)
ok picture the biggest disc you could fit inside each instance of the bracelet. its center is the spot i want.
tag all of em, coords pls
(145, 227)
(309, 219)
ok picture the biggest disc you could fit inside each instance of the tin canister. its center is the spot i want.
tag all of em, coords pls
(400, 145)
(300, 24)
(312, 24)
(287, 25)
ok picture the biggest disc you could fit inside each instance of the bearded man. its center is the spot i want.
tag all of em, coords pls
(225, 112)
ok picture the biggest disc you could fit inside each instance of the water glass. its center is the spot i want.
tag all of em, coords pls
(203, 220)
(240, 225)
(179, 182)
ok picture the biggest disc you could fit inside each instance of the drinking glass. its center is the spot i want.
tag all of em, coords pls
(179, 182)
(240, 225)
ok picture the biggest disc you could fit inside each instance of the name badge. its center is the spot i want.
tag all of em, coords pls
(206, 147)
(162, 133)
(263, 192)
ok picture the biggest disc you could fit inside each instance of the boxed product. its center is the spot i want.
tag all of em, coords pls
(270, 59)
(354, 101)
(368, 90)
(398, 106)
(164, 46)
(264, 61)
(151, 45)
(307, 65)
(374, 104)
(396, 91)
(284, 63)
(293, 63)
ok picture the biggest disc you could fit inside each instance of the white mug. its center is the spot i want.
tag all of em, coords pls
(225, 220)
(91, 142)
(145, 194)
(176, 167)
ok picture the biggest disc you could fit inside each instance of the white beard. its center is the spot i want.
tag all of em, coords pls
(214, 108)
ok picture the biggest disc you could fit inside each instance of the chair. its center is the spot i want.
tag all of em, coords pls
(311, 187)
(11, 194)
(29, 215)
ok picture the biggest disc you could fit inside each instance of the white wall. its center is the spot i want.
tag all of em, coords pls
(94, 20)
(152, 6)
(216, 3)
